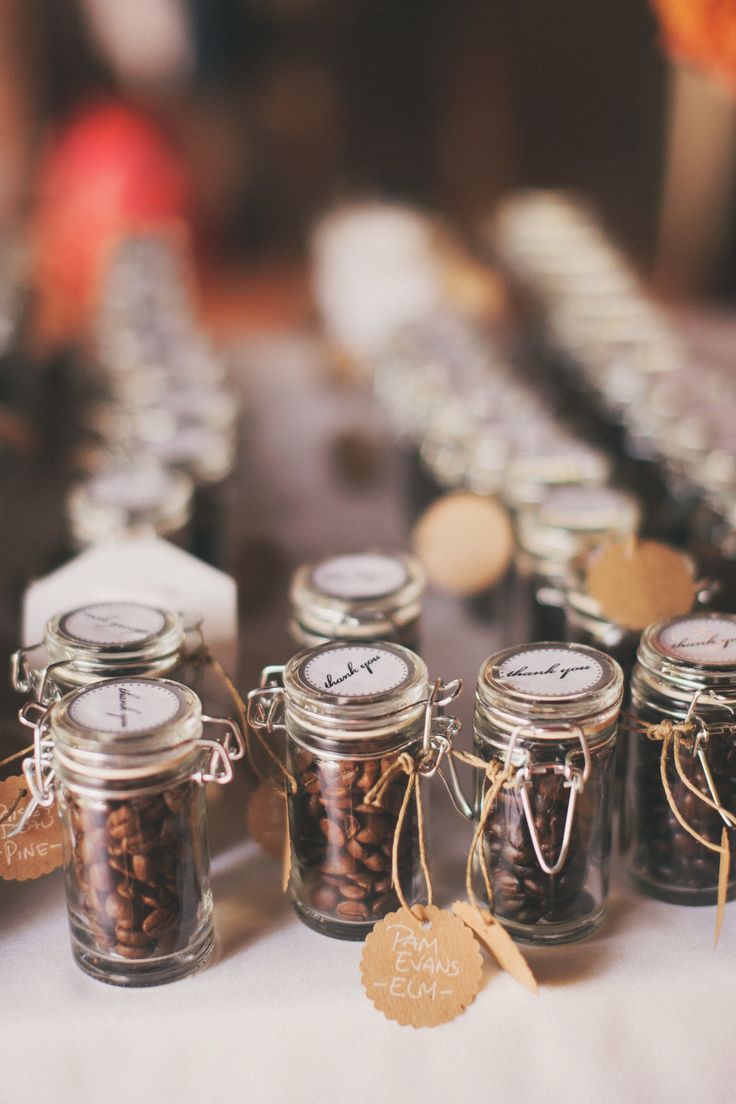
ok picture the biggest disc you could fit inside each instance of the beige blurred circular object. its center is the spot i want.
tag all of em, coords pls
(638, 582)
(465, 542)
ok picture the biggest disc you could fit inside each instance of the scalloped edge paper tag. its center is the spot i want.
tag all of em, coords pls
(497, 941)
(37, 850)
(421, 974)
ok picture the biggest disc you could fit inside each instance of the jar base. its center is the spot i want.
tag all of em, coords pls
(114, 970)
(672, 895)
(549, 935)
(335, 929)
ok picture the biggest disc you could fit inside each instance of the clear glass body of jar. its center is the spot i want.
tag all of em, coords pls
(359, 596)
(551, 712)
(130, 498)
(127, 763)
(567, 524)
(102, 640)
(686, 665)
(348, 712)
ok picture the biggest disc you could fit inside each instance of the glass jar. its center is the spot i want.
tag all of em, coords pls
(360, 596)
(538, 466)
(549, 714)
(686, 671)
(570, 522)
(127, 764)
(130, 498)
(349, 711)
(98, 641)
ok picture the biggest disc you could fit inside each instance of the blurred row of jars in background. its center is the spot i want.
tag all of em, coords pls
(164, 431)
(449, 372)
(629, 359)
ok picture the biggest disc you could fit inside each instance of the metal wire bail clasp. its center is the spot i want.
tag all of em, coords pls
(574, 780)
(37, 768)
(725, 701)
(233, 742)
(265, 701)
(437, 740)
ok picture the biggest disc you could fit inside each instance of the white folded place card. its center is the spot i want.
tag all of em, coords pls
(146, 570)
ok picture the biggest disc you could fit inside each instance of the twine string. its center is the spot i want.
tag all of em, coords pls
(405, 764)
(675, 736)
(203, 656)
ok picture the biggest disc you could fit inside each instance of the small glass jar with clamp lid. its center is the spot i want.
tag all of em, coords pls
(102, 640)
(127, 764)
(548, 715)
(685, 675)
(359, 596)
(349, 712)
(131, 498)
(570, 522)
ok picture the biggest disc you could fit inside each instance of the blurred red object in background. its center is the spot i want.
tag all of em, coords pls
(110, 170)
(702, 33)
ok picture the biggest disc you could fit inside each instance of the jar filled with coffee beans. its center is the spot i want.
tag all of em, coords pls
(547, 715)
(101, 640)
(126, 762)
(570, 522)
(358, 596)
(356, 717)
(685, 675)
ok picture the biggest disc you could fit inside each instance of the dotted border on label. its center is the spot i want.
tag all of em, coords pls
(102, 605)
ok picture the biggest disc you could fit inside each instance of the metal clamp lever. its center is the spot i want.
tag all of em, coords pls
(233, 743)
(726, 701)
(219, 767)
(574, 780)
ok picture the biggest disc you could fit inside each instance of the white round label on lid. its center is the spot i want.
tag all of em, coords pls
(124, 706)
(134, 489)
(363, 575)
(356, 671)
(113, 623)
(701, 640)
(551, 672)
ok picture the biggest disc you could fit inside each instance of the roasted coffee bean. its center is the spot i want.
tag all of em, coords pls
(341, 845)
(131, 938)
(159, 921)
(352, 910)
(353, 892)
(332, 831)
(377, 861)
(133, 952)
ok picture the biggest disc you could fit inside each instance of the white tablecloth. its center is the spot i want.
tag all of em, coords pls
(637, 1014)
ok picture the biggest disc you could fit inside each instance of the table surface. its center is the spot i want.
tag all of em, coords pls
(638, 1012)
